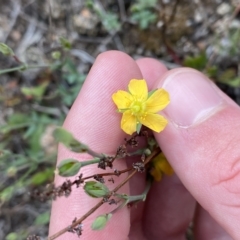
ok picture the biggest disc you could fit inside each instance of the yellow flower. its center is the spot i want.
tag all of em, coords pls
(160, 166)
(140, 107)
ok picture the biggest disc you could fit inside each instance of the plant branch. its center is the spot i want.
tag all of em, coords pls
(115, 173)
(94, 154)
(22, 68)
(99, 204)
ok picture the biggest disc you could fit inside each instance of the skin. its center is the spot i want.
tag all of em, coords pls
(203, 151)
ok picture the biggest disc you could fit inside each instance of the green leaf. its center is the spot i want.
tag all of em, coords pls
(198, 62)
(12, 236)
(151, 93)
(7, 193)
(42, 219)
(68, 167)
(235, 82)
(101, 221)
(141, 5)
(139, 126)
(227, 75)
(42, 177)
(14, 122)
(56, 55)
(8, 128)
(35, 92)
(63, 136)
(211, 71)
(110, 22)
(65, 43)
(96, 189)
(6, 50)
(144, 18)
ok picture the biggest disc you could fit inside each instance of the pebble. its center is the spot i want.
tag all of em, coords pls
(223, 9)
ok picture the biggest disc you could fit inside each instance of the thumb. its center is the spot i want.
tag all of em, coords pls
(202, 143)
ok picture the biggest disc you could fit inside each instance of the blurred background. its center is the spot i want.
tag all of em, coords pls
(55, 43)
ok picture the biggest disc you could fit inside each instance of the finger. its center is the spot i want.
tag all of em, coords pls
(169, 207)
(202, 141)
(205, 227)
(94, 121)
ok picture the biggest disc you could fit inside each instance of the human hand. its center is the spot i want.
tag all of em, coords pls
(201, 142)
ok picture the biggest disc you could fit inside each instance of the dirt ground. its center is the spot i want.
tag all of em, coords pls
(200, 34)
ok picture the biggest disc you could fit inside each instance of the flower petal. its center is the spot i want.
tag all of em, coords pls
(139, 89)
(161, 163)
(157, 101)
(157, 175)
(154, 121)
(122, 99)
(129, 123)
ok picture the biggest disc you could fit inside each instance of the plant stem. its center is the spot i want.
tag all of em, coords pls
(93, 161)
(22, 68)
(94, 154)
(92, 210)
(135, 198)
(141, 197)
(108, 174)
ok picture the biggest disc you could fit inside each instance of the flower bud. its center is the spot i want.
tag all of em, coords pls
(6, 50)
(56, 55)
(101, 221)
(11, 171)
(96, 189)
(147, 152)
(63, 136)
(68, 167)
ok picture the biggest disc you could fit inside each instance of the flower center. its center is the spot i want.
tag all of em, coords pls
(137, 108)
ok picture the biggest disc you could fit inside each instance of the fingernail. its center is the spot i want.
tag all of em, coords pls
(193, 98)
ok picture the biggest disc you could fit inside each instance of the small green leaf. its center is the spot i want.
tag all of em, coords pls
(198, 62)
(42, 219)
(144, 18)
(63, 136)
(56, 55)
(12, 236)
(147, 152)
(65, 43)
(68, 167)
(235, 82)
(42, 177)
(36, 92)
(6, 50)
(101, 221)
(151, 93)
(11, 171)
(96, 189)
(7, 193)
(139, 126)
(227, 75)
(211, 71)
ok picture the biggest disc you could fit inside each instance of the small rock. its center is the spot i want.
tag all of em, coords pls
(235, 24)
(160, 24)
(85, 21)
(223, 9)
(16, 35)
(198, 17)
